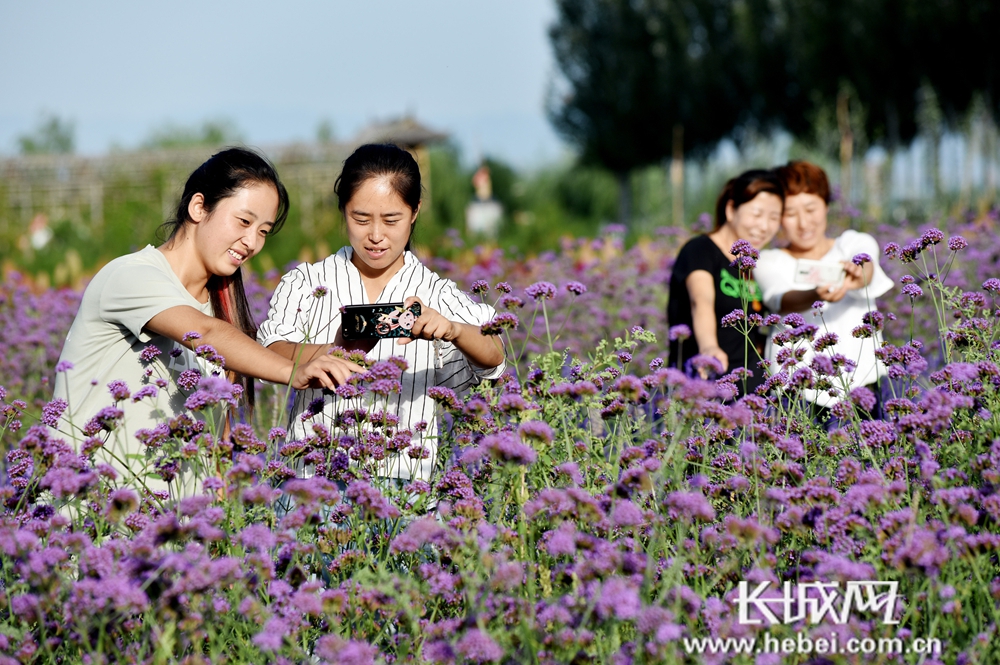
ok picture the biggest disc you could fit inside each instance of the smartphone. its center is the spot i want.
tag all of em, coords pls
(818, 273)
(378, 321)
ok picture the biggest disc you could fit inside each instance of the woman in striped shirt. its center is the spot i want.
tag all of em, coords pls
(378, 193)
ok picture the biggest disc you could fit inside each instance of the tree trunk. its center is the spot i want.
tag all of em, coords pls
(624, 199)
(677, 177)
(846, 144)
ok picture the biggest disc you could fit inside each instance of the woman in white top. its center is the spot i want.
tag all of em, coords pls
(378, 192)
(816, 268)
(129, 361)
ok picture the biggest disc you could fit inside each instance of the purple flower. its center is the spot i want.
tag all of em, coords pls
(191, 336)
(106, 419)
(576, 288)
(541, 291)
(912, 291)
(480, 287)
(992, 285)
(478, 647)
(744, 248)
(145, 391)
(861, 259)
(956, 243)
(681, 332)
(371, 501)
(619, 599)
(149, 353)
(338, 651)
(499, 323)
(506, 447)
(52, 411)
(891, 250)
(62, 366)
(734, 318)
(627, 514)
(257, 537)
(537, 430)
(119, 390)
(320, 291)
(562, 540)
(691, 506)
(426, 530)
(503, 287)
(189, 379)
(931, 237)
(273, 635)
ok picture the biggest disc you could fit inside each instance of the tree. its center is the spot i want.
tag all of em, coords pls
(52, 136)
(211, 133)
(647, 79)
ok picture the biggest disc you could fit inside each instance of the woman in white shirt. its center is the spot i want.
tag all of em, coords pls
(378, 193)
(129, 363)
(842, 272)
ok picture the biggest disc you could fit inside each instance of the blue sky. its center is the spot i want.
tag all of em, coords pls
(120, 70)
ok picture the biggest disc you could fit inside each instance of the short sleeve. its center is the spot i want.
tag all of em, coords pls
(135, 292)
(774, 275)
(854, 243)
(289, 308)
(688, 260)
(456, 305)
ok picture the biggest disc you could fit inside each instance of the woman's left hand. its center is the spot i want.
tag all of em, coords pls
(431, 324)
(855, 276)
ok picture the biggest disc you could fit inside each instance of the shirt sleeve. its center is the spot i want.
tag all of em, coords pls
(456, 305)
(774, 275)
(136, 292)
(288, 311)
(854, 243)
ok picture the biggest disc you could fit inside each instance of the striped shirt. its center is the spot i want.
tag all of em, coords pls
(298, 315)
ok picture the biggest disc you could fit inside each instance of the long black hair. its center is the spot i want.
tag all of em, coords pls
(219, 178)
(374, 160)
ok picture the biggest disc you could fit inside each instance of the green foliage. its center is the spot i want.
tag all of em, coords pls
(210, 133)
(52, 136)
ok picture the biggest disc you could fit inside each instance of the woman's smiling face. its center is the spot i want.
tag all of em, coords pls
(378, 227)
(757, 220)
(236, 228)
(804, 221)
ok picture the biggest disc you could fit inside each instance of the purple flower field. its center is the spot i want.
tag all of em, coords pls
(593, 506)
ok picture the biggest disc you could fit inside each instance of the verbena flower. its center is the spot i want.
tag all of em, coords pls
(576, 288)
(956, 243)
(541, 291)
(499, 323)
(679, 332)
(931, 237)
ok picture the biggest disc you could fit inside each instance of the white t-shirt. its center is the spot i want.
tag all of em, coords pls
(296, 315)
(105, 343)
(775, 274)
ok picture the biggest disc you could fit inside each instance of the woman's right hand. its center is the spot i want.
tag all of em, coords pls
(324, 372)
(718, 354)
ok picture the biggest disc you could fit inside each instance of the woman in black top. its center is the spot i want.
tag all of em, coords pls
(705, 286)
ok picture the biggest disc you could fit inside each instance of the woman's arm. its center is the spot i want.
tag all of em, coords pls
(246, 356)
(482, 350)
(701, 289)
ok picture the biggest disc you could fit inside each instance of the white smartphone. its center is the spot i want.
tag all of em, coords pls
(818, 273)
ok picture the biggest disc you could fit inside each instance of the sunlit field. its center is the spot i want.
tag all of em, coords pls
(592, 506)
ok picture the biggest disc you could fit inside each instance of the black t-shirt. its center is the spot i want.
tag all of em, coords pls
(701, 253)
